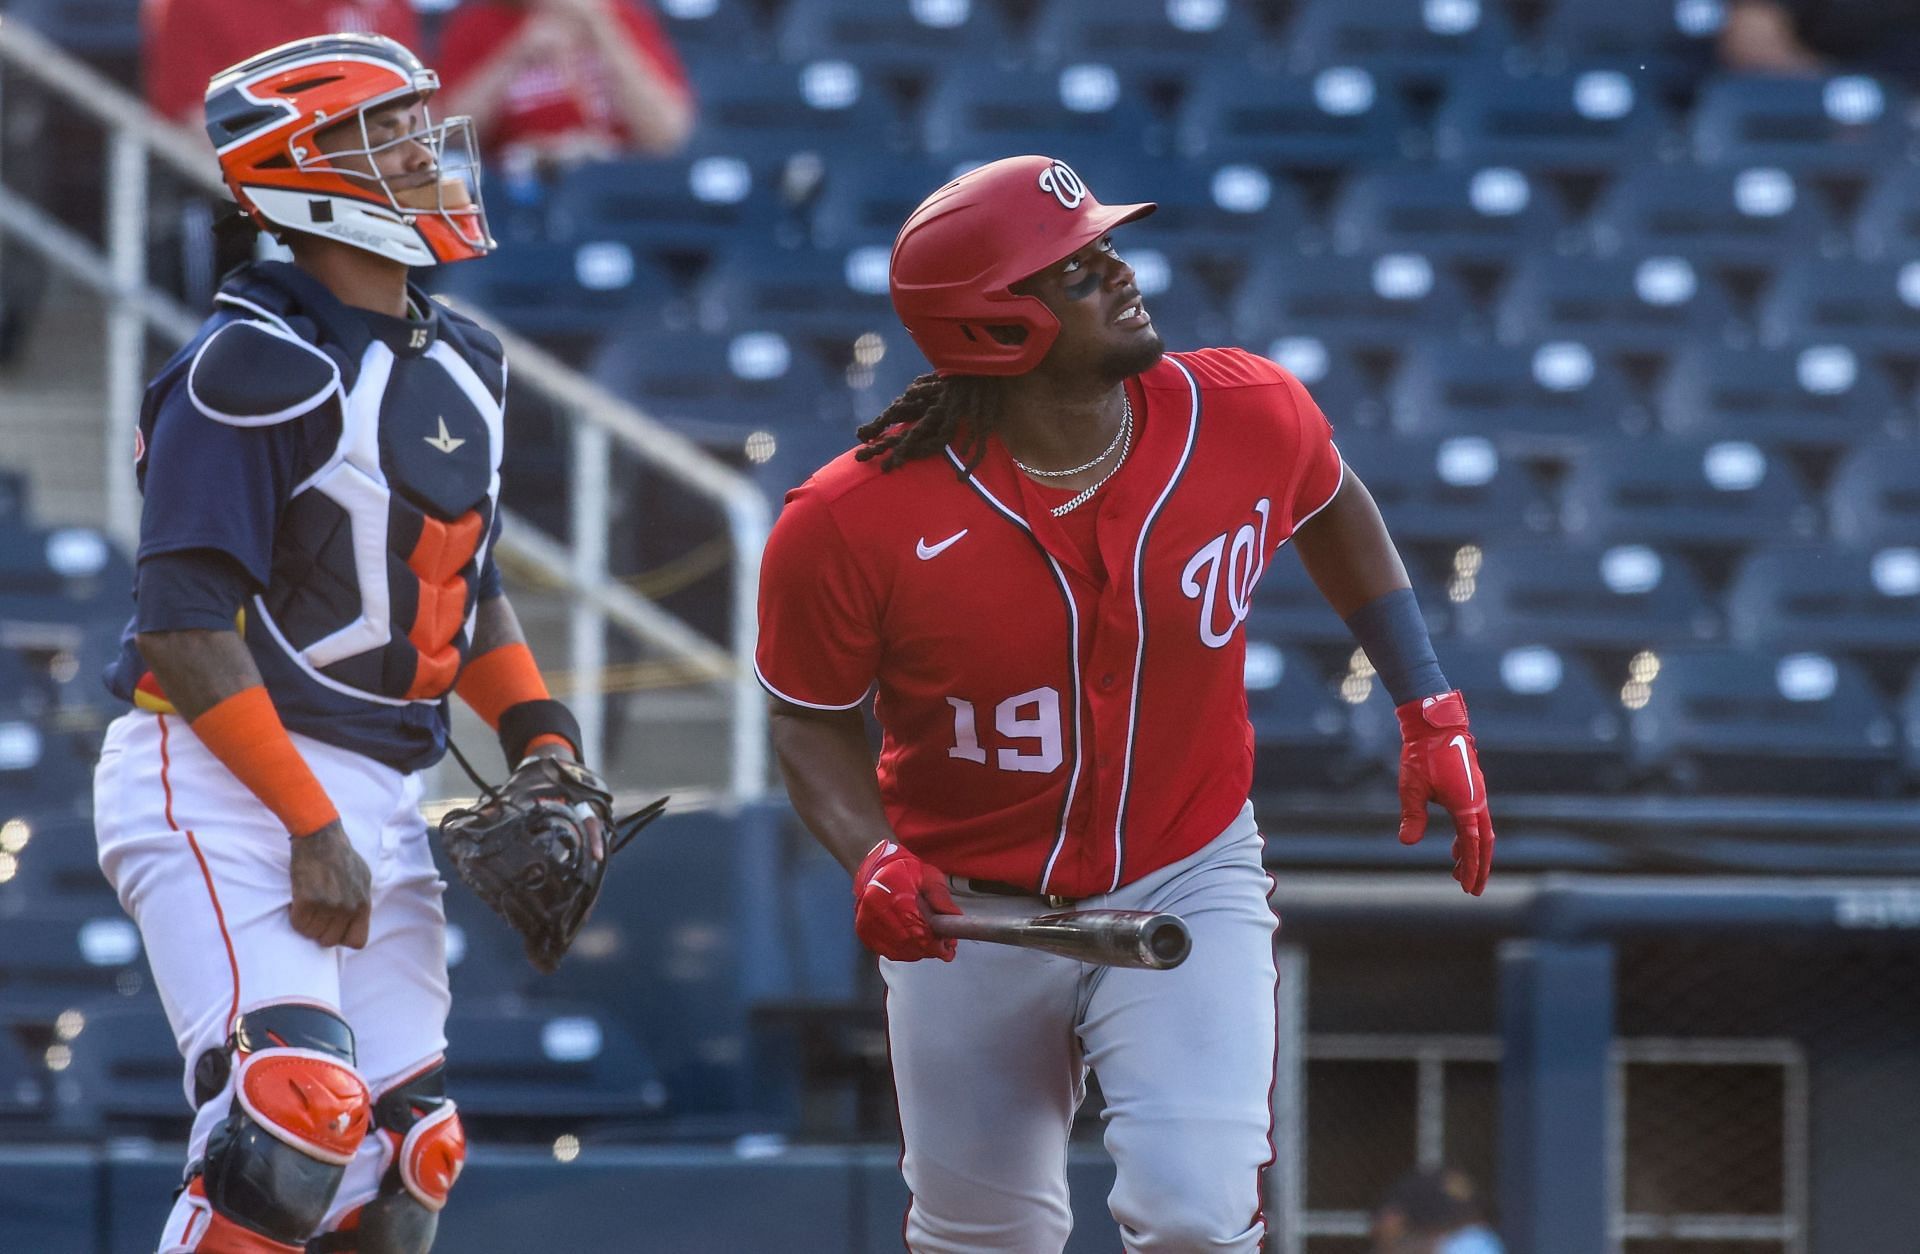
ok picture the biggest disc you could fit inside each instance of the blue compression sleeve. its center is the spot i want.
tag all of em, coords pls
(1392, 631)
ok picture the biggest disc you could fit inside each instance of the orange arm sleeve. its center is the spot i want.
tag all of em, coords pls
(244, 731)
(502, 678)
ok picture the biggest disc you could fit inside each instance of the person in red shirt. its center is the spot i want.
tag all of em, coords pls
(1038, 562)
(562, 81)
(187, 42)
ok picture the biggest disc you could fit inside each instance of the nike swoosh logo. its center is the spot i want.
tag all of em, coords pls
(1466, 763)
(928, 552)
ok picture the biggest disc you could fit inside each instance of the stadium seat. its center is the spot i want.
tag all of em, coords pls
(1380, 301)
(14, 495)
(769, 114)
(1887, 223)
(1413, 41)
(1815, 395)
(62, 573)
(564, 295)
(837, 294)
(1873, 498)
(1848, 123)
(1333, 118)
(1487, 215)
(1146, 36)
(1641, 304)
(538, 1062)
(1595, 120)
(890, 37)
(1910, 722)
(1545, 398)
(1301, 732)
(60, 955)
(1628, 596)
(1736, 722)
(1872, 306)
(1444, 491)
(1725, 494)
(1857, 601)
(977, 113)
(1755, 216)
(1223, 216)
(1289, 610)
(1541, 722)
(865, 197)
(50, 858)
(696, 204)
(700, 28)
(717, 384)
(123, 1072)
(23, 1084)
(1667, 40)
(1332, 375)
(98, 30)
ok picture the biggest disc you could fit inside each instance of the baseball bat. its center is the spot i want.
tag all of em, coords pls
(1116, 938)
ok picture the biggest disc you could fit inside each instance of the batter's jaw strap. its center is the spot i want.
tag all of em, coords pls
(300, 1111)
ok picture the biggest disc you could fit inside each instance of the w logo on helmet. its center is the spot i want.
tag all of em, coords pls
(1065, 185)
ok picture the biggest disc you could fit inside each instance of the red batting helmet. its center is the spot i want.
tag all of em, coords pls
(960, 253)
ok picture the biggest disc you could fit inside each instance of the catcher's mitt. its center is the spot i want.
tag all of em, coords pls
(524, 850)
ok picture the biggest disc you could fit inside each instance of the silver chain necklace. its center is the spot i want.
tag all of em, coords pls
(1126, 445)
(1119, 438)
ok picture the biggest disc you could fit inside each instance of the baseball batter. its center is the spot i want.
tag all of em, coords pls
(1037, 563)
(321, 470)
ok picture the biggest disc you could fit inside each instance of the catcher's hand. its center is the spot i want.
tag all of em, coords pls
(531, 850)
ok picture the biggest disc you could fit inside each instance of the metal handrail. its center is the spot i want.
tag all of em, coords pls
(600, 419)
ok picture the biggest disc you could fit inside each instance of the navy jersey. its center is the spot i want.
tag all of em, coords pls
(349, 464)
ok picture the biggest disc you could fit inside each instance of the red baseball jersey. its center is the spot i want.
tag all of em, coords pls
(1048, 722)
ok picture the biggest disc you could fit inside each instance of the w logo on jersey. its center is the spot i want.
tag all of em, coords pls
(1064, 184)
(1243, 554)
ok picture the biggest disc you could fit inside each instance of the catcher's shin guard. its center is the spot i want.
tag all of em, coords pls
(422, 1128)
(300, 1111)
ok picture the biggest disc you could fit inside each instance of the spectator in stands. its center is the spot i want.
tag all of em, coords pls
(1433, 1211)
(1823, 37)
(188, 41)
(550, 83)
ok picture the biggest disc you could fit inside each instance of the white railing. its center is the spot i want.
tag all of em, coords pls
(599, 419)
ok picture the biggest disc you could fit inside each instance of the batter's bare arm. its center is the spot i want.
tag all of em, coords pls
(1346, 549)
(202, 669)
(828, 767)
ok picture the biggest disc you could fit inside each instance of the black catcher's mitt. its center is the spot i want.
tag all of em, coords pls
(523, 850)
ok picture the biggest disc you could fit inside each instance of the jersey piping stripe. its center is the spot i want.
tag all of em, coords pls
(1073, 659)
(1140, 620)
(219, 915)
(811, 705)
(1337, 485)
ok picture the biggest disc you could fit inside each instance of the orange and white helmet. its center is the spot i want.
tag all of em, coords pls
(263, 116)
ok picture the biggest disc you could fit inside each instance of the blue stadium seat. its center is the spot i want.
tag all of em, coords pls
(1334, 118)
(63, 574)
(1669, 40)
(1224, 216)
(563, 294)
(1289, 610)
(1595, 120)
(1873, 498)
(24, 1084)
(768, 114)
(978, 113)
(866, 197)
(60, 955)
(718, 385)
(892, 37)
(1334, 377)
(1487, 215)
(1841, 124)
(1450, 490)
(1544, 398)
(1408, 40)
(1643, 304)
(1749, 217)
(1629, 596)
(14, 495)
(1873, 306)
(803, 293)
(700, 28)
(1859, 601)
(94, 29)
(1910, 721)
(1887, 223)
(51, 859)
(1736, 722)
(685, 203)
(1541, 721)
(545, 1061)
(1367, 302)
(123, 1071)
(1152, 36)
(1729, 493)
(1301, 728)
(1814, 395)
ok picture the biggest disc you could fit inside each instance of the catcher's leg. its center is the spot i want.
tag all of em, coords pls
(298, 1114)
(425, 1146)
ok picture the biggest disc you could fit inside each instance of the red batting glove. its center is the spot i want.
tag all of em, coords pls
(1438, 762)
(893, 891)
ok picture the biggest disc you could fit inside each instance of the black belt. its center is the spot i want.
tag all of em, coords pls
(997, 888)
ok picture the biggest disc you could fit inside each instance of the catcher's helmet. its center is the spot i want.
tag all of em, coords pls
(960, 253)
(263, 116)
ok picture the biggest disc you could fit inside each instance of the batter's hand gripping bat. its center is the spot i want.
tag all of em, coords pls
(1115, 938)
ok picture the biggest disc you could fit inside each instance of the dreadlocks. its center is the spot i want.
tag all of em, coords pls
(928, 414)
